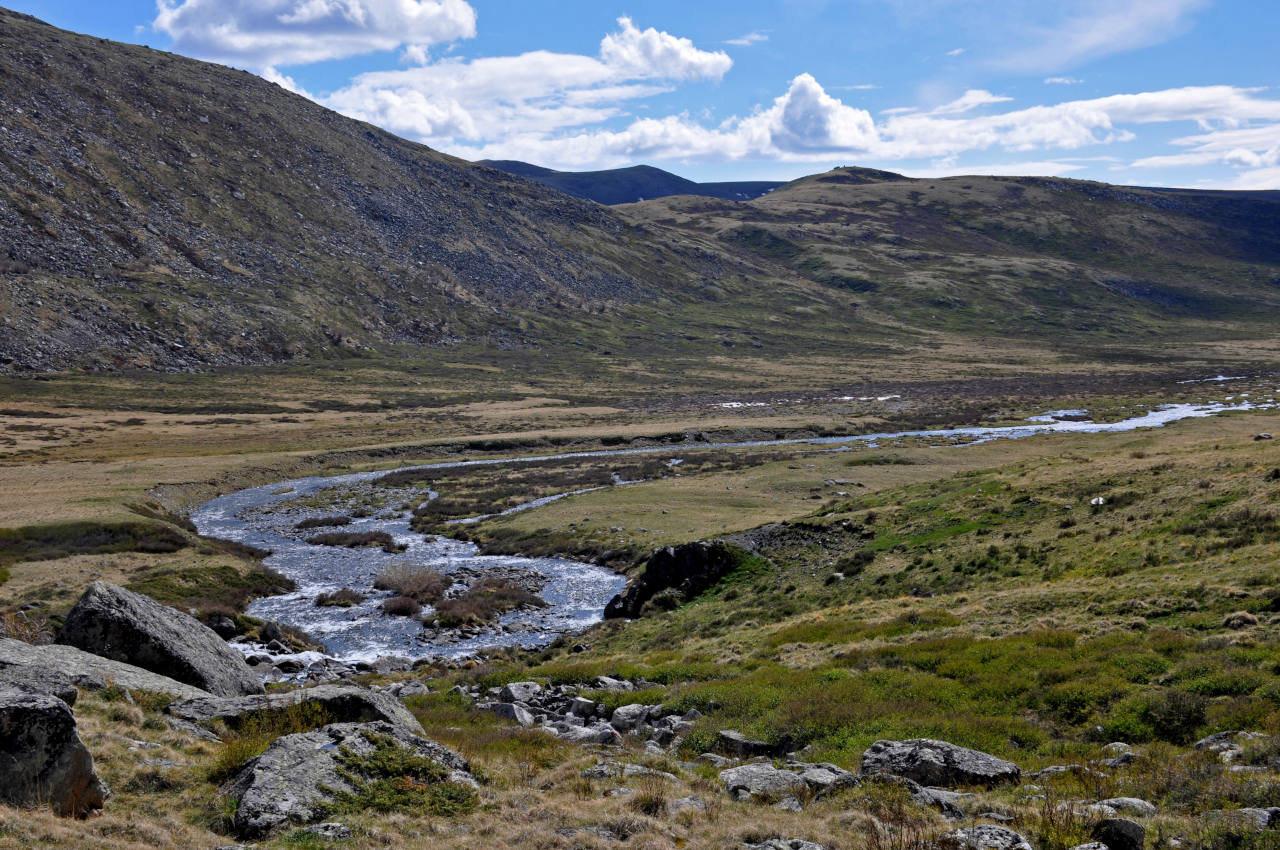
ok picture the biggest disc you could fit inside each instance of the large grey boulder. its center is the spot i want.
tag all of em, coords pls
(931, 762)
(92, 672)
(38, 679)
(42, 759)
(330, 703)
(298, 774)
(1130, 806)
(125, 626)
(1120, 834)
(760, 781)
(686, 571)
(983, 837)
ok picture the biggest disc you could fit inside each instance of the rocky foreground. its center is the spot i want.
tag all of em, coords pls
(354, 747)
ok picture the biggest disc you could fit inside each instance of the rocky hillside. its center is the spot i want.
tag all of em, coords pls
(630, 185)
(161, 212)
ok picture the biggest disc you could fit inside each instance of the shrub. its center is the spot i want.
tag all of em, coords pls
(418, 583)
(344, 598)
(257, 731)
(485, 600)
(401, 606)
(357, 539)
(322, 522)
(393, 779)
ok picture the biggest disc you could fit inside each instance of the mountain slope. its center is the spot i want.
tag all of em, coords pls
(158, 211)
(629, 185)
(1067, 261)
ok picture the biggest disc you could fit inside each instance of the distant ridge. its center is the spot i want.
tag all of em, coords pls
(630, 185)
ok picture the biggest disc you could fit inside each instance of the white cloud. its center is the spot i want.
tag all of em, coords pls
(263, 34)
(1035, 168)
(807, 124)
(529, 95)
(1062, 81)
(1101, 28)
(652, 54)
(754, 37)
(958, 51)
(970, 100)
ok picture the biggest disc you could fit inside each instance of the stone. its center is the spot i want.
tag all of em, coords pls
(946, 802)
(1130, 806)
(135, 629)
(784, 844)
(789, 804)
(983, 837)
(760, 781)
(1059, 769)
(338, 703)
(608, 683)
(329, 831)
(297, 774)
(1120, 834)
(692, 803)
(42, 759)
(1228, 745)
(627, 717)
(931, 762)
(37, 679)
(582, 707)
(737, 744)
(516, 713)
(521, 692)
(826, 777)
(1092, 845)
(1247, 818)
(714, 760)
(92, 672)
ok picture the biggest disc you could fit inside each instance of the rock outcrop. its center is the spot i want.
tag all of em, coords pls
(298, 774)
(91, 672)
(42, 759)
(983, 837)
(125, 626)
(684, 571)
(38, 679)
(931, 762)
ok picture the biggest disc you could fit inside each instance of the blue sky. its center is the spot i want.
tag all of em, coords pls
(1156, 92)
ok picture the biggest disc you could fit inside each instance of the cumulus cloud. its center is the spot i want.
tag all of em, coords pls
(649, 53)
(524, 96)
(262, 34)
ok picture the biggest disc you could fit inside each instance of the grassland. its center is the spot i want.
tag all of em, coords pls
(981, 598)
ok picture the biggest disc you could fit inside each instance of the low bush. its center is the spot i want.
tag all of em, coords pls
(417, 583)
(357, 539)
(485, 600)
(343, 598)
(255, 732)
(392, 779)
(60, 540)
(322, 522)
(401, 606)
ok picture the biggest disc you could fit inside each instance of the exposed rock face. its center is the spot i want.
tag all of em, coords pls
(42, 759)
(983, 837)
(90, 671)
(339, 704)
(762, 781)
(38, 679)
(298, 773)
(686, 570)
(125, 626)
(931, 762)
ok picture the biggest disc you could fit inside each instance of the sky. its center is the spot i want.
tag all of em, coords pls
(1139, 92)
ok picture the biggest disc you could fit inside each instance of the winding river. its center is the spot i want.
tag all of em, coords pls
(576, 592)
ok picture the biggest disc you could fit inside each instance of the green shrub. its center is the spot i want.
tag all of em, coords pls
(393, 779)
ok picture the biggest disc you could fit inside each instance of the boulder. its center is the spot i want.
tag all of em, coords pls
(515, 713)
(290, 782)
(1120, 834)
(736, 744)
(1130, 806)
(784, 844)
(983, 837)
(931, 762)
(125, 626)
(1251, 819)
(42, 759)
(625, 718)
(520, 691)
(760, 781)
(92, 672)
(334, 703)
(686, 570)
(38, 679)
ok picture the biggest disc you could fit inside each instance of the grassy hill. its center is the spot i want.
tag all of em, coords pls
(629, 185)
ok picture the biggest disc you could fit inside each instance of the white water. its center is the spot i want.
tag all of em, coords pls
(577, 592)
